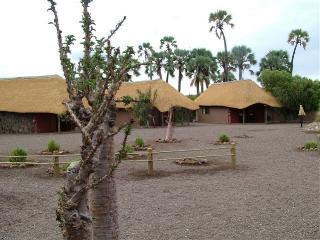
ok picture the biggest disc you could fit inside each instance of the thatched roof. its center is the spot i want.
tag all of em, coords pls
(166, 95)
(43, 94)
(236, 94)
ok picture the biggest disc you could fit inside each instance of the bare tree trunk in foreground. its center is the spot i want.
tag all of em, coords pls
(169, 133)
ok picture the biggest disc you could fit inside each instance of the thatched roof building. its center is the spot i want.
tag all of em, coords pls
(43, 94)
(236, 94)
(166, 96)
(235, 102)
(40, 99)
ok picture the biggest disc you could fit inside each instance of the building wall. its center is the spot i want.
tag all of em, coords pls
(123, 117)
(27, 122)
(213, 115)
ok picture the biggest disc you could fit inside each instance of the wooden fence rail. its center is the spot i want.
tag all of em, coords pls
(150, 160)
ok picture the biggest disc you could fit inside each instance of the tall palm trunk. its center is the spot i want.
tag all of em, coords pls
(240, 73)
(169, 132)
(294, 52)
(167, 78)
(180, 79)
(198, 88)
(226, 64)
(159, 72)
(102, 198)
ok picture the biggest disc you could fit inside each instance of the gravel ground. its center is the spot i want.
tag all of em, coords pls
(273, 193)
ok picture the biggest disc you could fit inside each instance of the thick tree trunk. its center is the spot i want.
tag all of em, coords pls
(202, 88)
(103, 205)
(169, 133)
(226, 58)
(167, 78)
(294, 52)
(74, 221)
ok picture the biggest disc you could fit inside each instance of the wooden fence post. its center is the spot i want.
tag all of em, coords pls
(56, 167)
(233, 155)
(150, 162)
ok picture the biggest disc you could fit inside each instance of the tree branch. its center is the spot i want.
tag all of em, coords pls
(78, 123)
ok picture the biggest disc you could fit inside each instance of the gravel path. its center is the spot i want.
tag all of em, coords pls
(273, 193)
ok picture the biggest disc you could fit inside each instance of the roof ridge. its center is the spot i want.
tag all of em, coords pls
(32, 77)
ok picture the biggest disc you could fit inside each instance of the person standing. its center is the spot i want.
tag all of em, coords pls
(301, 114)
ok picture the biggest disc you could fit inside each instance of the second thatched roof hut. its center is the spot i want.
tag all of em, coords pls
(236, 102)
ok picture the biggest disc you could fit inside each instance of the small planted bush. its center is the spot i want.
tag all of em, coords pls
(139, 142)
(129, 148)
(18, 152)
(53, 146)
(224, 138)
(311, 145)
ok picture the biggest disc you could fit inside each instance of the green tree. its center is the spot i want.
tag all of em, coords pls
(297, 37)
(243, 59)
(201, 68)
(97, 77)
(143, 106)
(292, 91)
(146, 51)
(169, 44)
(181, 59)
(157, 62)
(275, 60)
(219, 19)
(221, 59)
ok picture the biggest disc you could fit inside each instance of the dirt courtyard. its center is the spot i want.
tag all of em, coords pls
(273, 193)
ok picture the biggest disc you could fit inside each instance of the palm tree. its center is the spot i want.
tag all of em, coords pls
(169, 44)
(157, 60)
(201, 68)
(221, 59)
(243, 59)
(145, 51)
(219, 19)
(181, 59)
(275, 60)
(297, 37)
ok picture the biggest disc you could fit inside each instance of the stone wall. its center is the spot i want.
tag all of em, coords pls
(15, 122)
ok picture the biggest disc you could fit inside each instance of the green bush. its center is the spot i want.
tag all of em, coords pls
(139, 142)
(224, 138)
(128, 148)
(18, 152)
(53, 146)
(311, 145)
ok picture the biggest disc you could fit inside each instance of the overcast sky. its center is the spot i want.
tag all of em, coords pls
(29, 46)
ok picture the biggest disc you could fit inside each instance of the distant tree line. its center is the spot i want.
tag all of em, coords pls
(203, 68)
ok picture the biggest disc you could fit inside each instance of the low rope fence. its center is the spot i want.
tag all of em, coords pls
(150, 157)
(40, 157)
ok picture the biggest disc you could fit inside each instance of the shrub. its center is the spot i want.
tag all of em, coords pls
(224, 138)
(128, 148)
(311, 145)
(53, 146)
(139, 142)
(18, 152)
